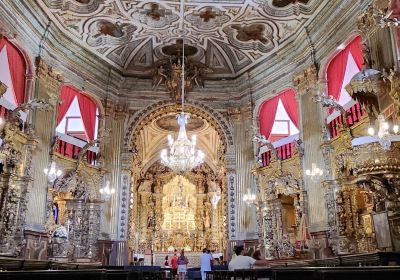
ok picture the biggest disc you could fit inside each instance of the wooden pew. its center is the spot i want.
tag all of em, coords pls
(11, 264)
(54, 275)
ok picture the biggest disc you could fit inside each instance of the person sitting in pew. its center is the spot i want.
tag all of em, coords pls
(245, 262)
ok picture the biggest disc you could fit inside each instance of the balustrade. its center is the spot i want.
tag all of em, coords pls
(285, 151)
(70, 150)
(354, 115)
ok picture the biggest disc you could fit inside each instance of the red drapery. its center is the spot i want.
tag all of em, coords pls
(267, 116)
(268, 111)
(337, 67)
(16, 62)
(67, 96)
(88, 112)
(289, 102)
(86, 106)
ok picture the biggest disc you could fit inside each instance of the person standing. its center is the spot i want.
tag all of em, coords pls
(245, 262)
(174, 265)
(205, 263)
(182, 265)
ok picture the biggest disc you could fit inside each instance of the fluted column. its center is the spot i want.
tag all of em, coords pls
(246, 216)
(47, 87)
(311, 123)
(111, 155)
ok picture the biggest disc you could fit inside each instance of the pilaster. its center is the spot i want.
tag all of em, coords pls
(47, 87)
(311, 123)
(246, 227)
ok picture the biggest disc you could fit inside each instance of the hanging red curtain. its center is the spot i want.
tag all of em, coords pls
(67, 96)
(267, 116)
(88, 112)
(16, 62)
(337, 67)
(288, 98)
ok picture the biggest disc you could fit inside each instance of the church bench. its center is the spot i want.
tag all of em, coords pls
(359, 273)
(35, 265)
(10, 264)
(54, 274)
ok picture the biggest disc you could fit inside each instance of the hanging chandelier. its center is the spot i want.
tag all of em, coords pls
(182, 155)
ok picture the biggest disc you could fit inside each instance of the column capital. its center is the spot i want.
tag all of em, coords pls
(307, 81)
(51, 78)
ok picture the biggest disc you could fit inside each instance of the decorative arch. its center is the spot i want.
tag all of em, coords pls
(163, 107)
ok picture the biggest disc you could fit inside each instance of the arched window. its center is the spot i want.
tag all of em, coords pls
(279, 123)
(12, 74)
(279, 116)
(77, 115)
(342, 68)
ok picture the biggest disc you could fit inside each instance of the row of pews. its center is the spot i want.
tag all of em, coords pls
(305, 273)
(375, 266)
(310, 273)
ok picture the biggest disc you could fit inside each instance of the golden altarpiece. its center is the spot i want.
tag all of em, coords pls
(178, 211)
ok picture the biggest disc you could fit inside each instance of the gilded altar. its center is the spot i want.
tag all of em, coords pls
(178, 211)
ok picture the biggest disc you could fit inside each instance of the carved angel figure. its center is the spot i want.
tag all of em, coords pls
(159, 76)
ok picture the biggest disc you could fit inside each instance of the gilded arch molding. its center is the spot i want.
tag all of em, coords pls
(161, 108)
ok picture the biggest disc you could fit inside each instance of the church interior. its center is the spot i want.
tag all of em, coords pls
(133, 129)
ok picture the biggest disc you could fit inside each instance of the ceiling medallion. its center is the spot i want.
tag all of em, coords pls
(170, 70)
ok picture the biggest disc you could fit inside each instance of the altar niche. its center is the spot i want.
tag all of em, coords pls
(178, 211)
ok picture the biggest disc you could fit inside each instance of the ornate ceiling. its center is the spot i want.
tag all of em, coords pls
(229, 36)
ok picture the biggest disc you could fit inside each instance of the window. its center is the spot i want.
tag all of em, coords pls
(278, 116)
(342, 69)
(12, 74)
(71, 120)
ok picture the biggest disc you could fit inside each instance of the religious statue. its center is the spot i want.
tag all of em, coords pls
(159, 77)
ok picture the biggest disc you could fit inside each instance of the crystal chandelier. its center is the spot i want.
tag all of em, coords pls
(384, 133)
(106, 191)
(315, 173)
(53, 173)
(182, 155)
(249, 198)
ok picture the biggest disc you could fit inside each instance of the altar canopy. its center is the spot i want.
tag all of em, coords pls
(12, 72)
(269, 112)
(87, 109)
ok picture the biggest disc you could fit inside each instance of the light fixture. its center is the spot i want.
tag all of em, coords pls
(215, 199)
(106, 191)
(384, 132)
(315, 173)
(53, 173)
(182, 156)
(249, 198)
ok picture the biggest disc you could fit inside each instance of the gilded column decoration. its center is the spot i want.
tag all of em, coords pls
(282, 204)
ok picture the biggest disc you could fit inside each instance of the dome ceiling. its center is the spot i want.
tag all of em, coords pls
(229, 36)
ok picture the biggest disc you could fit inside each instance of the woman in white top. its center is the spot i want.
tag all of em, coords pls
(244, 262)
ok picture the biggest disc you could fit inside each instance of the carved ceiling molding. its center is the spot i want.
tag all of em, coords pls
(163, 108)
(230, 36)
